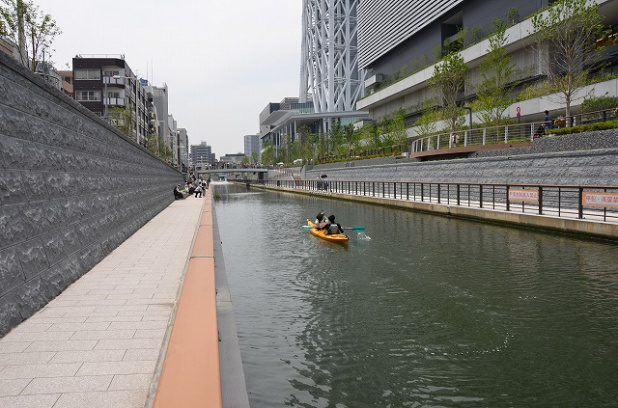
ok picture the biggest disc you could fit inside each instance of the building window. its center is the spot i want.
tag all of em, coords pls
(87, 73)
(87, 95)
(111, 74)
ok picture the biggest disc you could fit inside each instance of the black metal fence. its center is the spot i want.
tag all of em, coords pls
(593, 203)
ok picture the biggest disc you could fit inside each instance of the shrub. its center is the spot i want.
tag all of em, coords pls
(586, 128)
(599, 103)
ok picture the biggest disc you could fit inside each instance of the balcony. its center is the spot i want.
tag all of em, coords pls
(114, 102)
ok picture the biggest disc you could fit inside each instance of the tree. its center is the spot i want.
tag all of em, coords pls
(31, 28)
(427, 123)
(494, 92)
(449, 78)
(397, 130)
(268, 154)
(566, 41)
(351, 137)
(123, 119)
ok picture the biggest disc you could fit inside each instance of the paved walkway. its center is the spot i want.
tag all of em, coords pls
(100, 342)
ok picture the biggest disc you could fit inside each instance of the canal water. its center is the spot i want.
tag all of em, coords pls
(418, 311)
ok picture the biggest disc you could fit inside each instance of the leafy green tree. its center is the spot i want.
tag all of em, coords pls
(426, 124)
(123, 119)
(449, 79)
(351, 137)
(397, 131)
(336, 138)
(494, 94)
(268, 153)
(566, 38)
(32, 29)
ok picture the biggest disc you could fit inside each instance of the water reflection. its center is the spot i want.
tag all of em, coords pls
(428, 312)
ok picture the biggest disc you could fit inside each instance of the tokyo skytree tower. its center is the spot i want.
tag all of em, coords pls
(329, 60)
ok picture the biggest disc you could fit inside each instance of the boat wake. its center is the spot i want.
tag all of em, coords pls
(363, 237)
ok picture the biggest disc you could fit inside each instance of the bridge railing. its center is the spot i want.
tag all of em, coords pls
(595, 203)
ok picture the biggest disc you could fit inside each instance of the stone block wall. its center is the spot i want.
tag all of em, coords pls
(72, 189)
(584, 159)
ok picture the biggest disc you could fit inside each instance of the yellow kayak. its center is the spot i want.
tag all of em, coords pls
(338, 238)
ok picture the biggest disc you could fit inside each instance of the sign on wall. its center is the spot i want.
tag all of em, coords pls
(528, 195)
(607, 200)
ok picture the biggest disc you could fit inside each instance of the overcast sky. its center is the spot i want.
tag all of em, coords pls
(223, 61)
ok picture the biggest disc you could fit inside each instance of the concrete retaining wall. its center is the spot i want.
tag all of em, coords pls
(583, 159)
(71, 190)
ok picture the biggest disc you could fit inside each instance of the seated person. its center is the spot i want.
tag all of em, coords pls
(333, 227)
(177, 193)
(320, 221)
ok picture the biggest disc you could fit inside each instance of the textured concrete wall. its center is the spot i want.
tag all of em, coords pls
(584, 159)
(71, 190)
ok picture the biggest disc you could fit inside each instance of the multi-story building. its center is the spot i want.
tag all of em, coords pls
(281, 126)
(102, 83)
(400, 43)
(201, 155)
(159, 97)
(183, 149)
(252, 147)
(173, 138)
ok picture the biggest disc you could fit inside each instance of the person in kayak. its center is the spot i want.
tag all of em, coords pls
(333, 227)
(320, 221)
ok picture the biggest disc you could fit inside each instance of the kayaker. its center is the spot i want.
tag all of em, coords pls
(333, 227)
(320, 221)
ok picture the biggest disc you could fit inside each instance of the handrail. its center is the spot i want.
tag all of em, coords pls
(504, 134)
(596, 203)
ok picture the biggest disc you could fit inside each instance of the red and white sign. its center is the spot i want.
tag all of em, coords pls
(608, 200)
(530, 195)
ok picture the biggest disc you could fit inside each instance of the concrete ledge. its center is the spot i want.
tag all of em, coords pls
(584, 228)
(191, 375)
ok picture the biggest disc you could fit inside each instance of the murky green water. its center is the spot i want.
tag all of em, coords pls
(423, 311)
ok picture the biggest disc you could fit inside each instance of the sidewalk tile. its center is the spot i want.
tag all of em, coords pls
(75, 327)
(109, 399)
(143, 325)
(39, 370)
(93, 319)
(128, 344)
(7, 359)
(29, 401)
(123, 382)
(13, 387)
(150, 333)
(67, 345)
(88, 356)
(14, 347)
(117, 367)
(104, 335)
(42, 336)
(142, 355)
(68, 384)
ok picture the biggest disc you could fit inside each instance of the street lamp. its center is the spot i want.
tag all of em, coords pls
(136, 106)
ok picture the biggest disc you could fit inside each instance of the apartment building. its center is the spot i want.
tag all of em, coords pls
(105, 85)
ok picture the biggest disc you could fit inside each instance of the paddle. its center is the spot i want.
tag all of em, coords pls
(359, 228)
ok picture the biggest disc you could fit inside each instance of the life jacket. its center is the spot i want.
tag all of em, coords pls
(332, 229)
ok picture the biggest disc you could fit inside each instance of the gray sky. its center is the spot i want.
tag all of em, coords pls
(223, 61)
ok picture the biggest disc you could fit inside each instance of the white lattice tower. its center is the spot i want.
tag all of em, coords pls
(329, 59)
